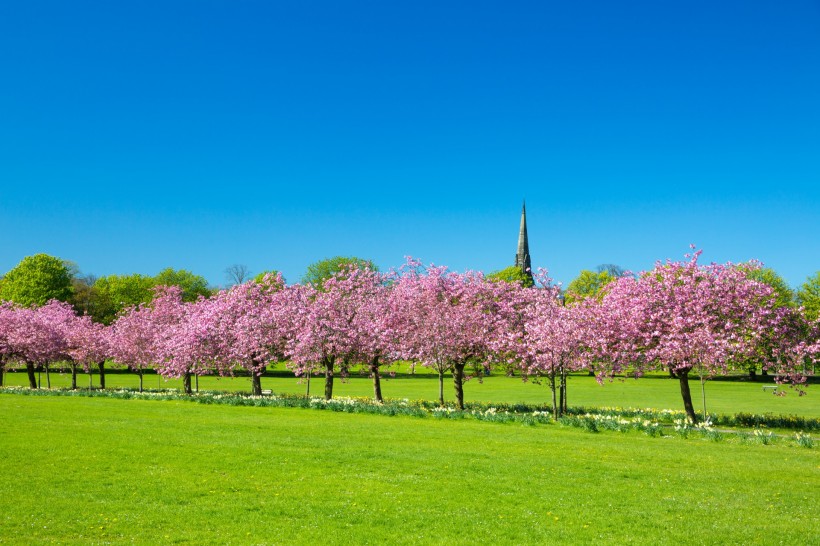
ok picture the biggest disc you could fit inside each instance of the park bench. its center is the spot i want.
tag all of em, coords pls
(267, 391)
(772, 388)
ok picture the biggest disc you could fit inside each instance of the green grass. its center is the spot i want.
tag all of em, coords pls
(91, 470)
(651, 392)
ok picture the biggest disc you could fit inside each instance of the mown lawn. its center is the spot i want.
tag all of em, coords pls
(652, 392)
(90, 470)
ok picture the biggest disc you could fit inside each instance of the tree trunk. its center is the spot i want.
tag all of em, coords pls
(48, 377)
(752, 372)
(186, 383)
(683, 376)
(256, 383)
(73, 376)
(328, 378)
(554, 400)
(562, 405)
(458, 383)
(377, 384)
(441, 388)
(101, 366)
(196, 380)
(32, 379)
(2, 372)
(140, 374)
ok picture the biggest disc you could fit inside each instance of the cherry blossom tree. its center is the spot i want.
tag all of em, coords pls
(324, 332)
(543, 337)
(35, 336)
(373, 327)
(445, 320)
(88, 344)
(685, 318)
(249, 327)
(181, 332)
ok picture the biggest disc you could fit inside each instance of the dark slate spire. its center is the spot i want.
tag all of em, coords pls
(522, 258)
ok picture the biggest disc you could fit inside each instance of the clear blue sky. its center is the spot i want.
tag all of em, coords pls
(140, 135)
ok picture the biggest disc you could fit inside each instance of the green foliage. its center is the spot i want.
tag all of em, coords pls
(808, 295)
(36, 280)
(512, 274)
(318, 272)
(783, 293)
(192, 285)
(587, 284)
(261, 276)
(114, 293)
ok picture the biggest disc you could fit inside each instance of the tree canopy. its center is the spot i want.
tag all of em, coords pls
(36, 280)
(192, 285)
(586, 284)
(808, 295)
(784, 294)
(511, 274)
(318, 272)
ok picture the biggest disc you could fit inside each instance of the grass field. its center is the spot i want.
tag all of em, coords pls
(92, 471)
(651, 392)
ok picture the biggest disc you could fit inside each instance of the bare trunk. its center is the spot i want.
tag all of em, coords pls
(196, 381)
(683, 376)
(32, 379)
(562, 405)
(458, 384)
(441, 388)
(377, 383)
(554, 400)
(73, 376)
(186, 383)
(101, 366)
(2, 372)
(140, 374)
(256, 383)
(48, 377)
(328, 362)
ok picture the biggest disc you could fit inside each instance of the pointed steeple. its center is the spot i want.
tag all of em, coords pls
(522, 258)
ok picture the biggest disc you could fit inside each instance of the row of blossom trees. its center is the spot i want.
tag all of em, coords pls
(681, 317)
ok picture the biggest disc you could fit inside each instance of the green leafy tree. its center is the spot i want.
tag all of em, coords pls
(808, 295)
(36, 280)
(115, 293)
(767, 275)
(318, 272)
(588, 284)
(192, 285)
(512, 274)
(261, 276)
(84, 295)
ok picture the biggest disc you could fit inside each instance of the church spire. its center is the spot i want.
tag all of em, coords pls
(522, 258)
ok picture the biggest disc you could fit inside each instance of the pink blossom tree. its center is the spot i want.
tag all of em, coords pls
(324, 330)
(445, 320)
(544, 338)
(36, 336)
(249, 327)
(88, 344)
(684, 318)
(373, 326)
(133, 341)
(180, 348)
